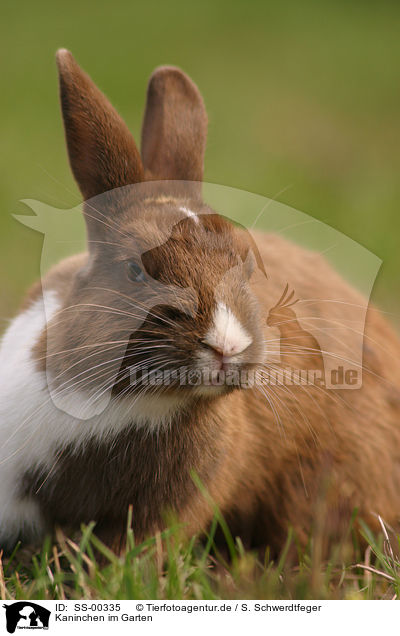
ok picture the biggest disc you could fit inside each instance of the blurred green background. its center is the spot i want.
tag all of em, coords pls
(303, 101)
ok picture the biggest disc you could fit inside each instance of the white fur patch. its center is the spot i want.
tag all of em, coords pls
(32, 429)
(22, 398)
(190, 214)
(227, 335)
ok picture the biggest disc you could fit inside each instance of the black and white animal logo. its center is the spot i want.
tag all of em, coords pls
(26, 615)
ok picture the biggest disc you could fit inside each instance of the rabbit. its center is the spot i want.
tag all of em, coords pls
(168, 283)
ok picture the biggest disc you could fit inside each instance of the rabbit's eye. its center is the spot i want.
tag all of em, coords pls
(135, 272)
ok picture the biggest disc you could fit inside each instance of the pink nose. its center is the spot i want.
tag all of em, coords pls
(225, 352)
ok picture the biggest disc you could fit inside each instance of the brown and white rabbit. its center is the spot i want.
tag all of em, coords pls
(267, 463)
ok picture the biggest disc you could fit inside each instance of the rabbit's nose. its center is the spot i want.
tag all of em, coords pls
(227, 336)
(228, 351)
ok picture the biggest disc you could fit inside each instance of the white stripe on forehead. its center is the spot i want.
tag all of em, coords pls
(164, 199)
(190, 214)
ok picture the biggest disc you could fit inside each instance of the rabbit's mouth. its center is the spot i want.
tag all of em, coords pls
(199, 378)
(229, 377)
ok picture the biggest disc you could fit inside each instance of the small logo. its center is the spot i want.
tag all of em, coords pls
(26, 615)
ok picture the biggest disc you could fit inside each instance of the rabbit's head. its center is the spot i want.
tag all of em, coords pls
(165, 285)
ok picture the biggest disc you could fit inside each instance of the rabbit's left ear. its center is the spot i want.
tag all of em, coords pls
(174, 128)
(102, 152)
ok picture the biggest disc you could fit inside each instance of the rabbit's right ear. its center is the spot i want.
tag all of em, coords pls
(102, 151)
(174, 128)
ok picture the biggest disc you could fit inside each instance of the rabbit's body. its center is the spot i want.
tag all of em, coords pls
(264, 474)
(267, 460)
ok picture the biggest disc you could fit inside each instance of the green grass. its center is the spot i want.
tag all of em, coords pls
(167, 567)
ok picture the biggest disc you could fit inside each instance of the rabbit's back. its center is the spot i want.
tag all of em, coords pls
(323, 452)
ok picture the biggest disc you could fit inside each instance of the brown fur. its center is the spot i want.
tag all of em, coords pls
(174, 128)
(265, 468)
(293, 338)
(102, 151)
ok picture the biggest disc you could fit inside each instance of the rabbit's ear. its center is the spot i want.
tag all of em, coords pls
(174, 128)
(102, 151)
